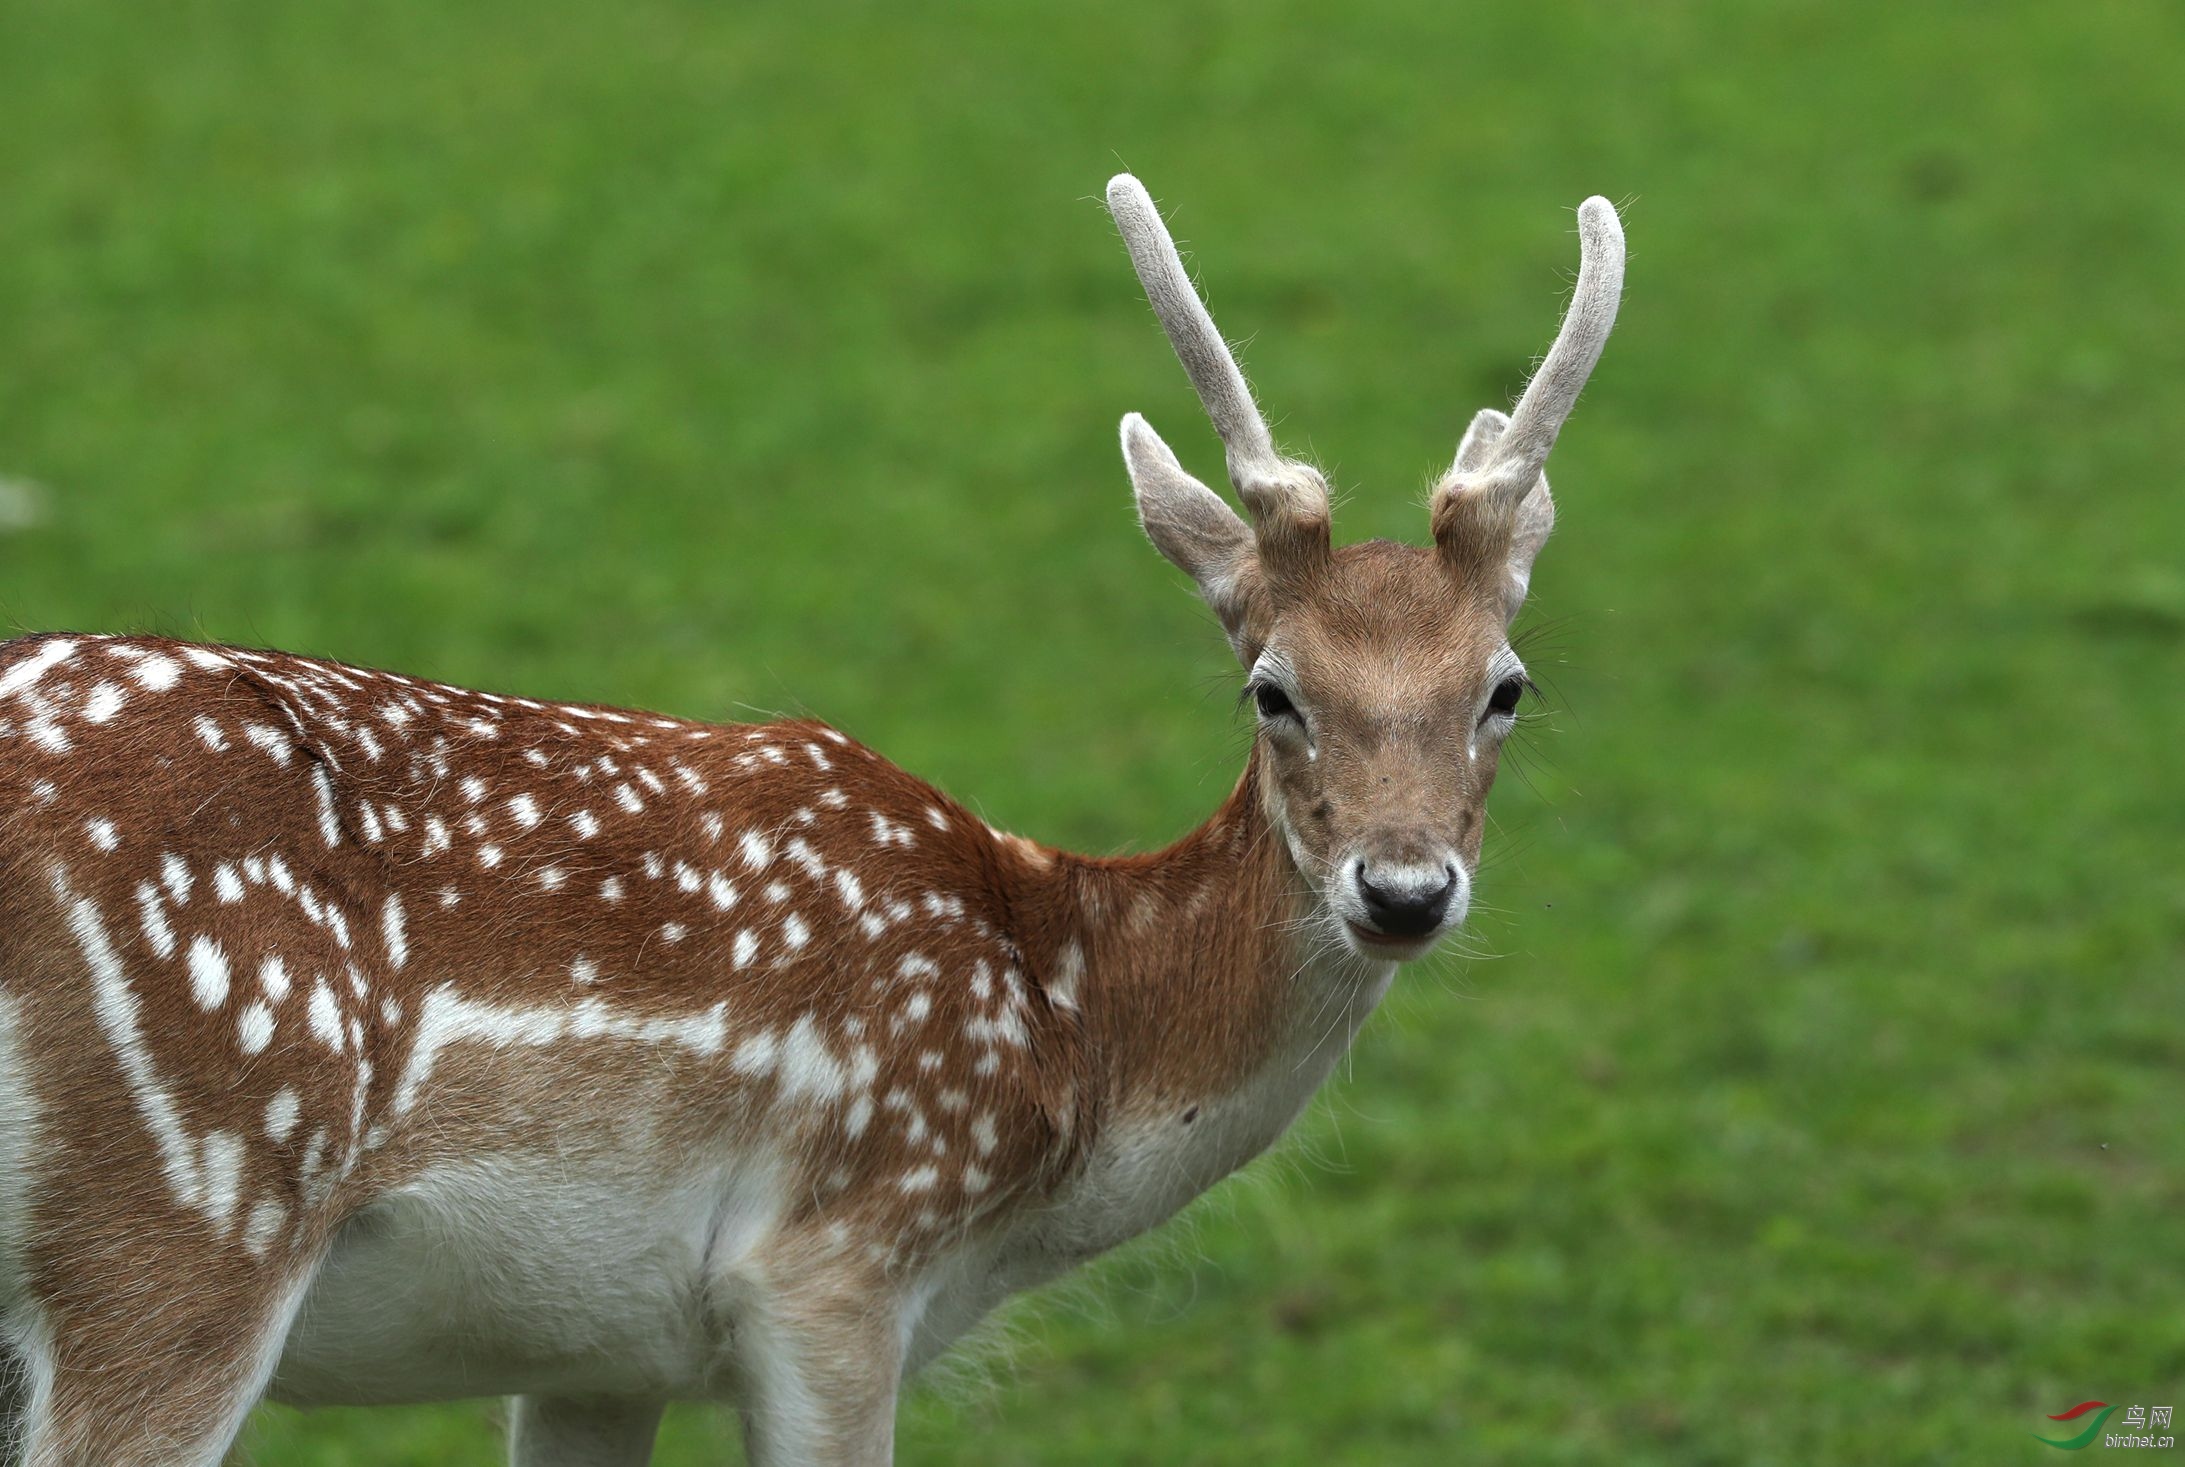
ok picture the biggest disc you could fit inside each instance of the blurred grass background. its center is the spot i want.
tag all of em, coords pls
(1824, 1106)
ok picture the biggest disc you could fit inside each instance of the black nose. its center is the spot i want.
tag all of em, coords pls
(1406, 910)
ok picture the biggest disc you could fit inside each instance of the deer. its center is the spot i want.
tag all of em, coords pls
(365, 1040)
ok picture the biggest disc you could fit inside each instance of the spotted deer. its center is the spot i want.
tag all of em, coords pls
(365, 1040)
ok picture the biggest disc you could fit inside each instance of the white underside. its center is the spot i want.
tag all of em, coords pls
(511, 1276)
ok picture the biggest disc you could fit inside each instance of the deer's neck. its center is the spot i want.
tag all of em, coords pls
(1213, 1001)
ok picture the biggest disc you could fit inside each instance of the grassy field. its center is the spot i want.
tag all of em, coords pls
(1824, 1103)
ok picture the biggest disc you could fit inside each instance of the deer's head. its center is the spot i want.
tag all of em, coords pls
(1382, 674)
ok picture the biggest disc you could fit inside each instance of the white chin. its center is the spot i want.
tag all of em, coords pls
(1383, 949)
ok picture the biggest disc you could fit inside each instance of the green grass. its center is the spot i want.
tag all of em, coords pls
(1824, 1106)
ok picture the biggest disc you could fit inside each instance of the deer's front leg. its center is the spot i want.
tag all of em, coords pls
(821, 1357)
(569, 1431)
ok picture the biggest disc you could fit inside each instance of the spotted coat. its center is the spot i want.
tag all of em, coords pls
(287, 944)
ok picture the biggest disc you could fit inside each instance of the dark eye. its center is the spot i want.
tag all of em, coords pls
(1272, 702)
(1503, 701)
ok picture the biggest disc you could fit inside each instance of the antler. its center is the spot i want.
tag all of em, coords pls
(1503, 458)
(1270, 485)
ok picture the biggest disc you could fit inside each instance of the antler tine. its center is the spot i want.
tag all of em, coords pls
(1522, 450)
(1254, 466)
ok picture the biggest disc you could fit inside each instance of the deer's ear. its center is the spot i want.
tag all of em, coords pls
(1191, 525)
(1478, 444)
(1535, 518)
(1535, 515)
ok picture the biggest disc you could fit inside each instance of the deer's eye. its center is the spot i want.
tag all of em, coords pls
(1272, 702)
(1503, 701)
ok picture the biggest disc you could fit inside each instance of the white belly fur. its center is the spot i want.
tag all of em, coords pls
(514, 1275)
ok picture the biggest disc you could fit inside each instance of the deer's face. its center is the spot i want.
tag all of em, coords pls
(1381, 675)
(1383, 695)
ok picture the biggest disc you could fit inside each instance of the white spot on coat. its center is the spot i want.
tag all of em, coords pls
(208, 973)
(175, 873)
(395, 928)
(263, 1226)
(223, 1174)
(325, 1017)
(271, 741)
(24, 675)
(155, 673)
(281, 1113)
(322, 785)
(255, 1030)
(104, 702)
(273, 977)
(1069, 974)
(154, 916)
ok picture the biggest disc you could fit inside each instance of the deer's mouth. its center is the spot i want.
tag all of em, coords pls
(1389, 948)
